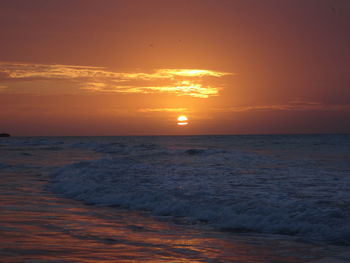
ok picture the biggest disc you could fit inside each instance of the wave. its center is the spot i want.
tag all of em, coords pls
(231, 190)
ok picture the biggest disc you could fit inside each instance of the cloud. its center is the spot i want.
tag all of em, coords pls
(291, 106)
(163, 110)
(181, 88)
(191, 72)
(181, 82)
(3, 88)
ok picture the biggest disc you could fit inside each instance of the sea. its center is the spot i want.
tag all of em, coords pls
(217, 198)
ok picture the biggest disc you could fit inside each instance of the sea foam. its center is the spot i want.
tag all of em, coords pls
(231, 190)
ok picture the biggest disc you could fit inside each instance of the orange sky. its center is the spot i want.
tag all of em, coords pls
(132, 67)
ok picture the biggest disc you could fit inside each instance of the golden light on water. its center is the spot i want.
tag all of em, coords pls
(182, 120)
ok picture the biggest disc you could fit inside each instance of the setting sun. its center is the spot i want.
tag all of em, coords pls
(182, 120)
(175, 131)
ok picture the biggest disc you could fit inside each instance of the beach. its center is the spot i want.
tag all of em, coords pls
(95, 199)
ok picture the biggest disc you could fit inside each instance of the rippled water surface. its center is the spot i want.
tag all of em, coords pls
(39, 226)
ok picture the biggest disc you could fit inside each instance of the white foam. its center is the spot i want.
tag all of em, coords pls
(232, 190)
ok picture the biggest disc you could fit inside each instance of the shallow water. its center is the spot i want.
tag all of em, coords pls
(39, 226)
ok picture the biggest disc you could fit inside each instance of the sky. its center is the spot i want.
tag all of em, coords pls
(131, 67)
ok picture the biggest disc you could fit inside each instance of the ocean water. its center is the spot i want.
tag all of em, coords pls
(289, 192)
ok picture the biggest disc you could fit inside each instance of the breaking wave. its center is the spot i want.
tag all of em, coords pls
(231, 190)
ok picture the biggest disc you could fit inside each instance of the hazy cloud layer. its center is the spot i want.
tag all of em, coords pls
(163, 110)
(291, 106)
(198, 83)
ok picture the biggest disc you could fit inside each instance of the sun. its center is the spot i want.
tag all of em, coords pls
(182, 120)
